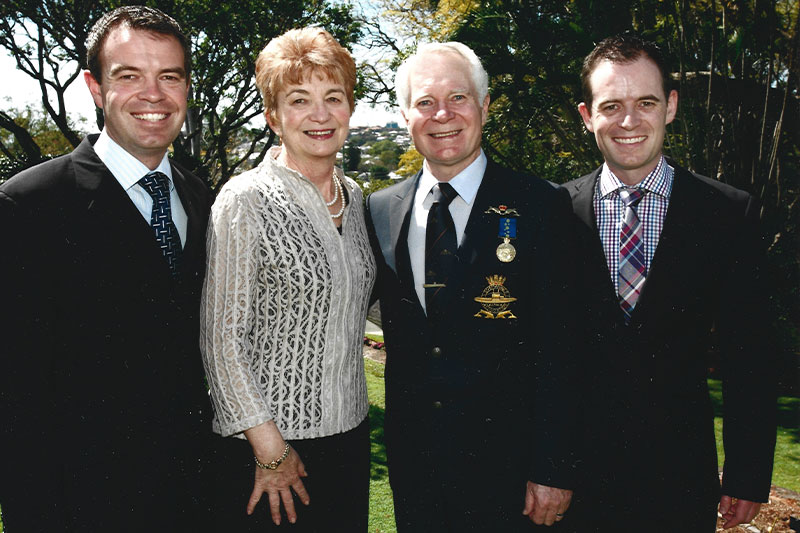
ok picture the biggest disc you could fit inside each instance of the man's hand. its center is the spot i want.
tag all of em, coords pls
(735, 512)
(546, 505)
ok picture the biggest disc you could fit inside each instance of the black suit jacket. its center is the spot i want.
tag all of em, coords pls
(480, 402)
(105, 416)
(649, 421)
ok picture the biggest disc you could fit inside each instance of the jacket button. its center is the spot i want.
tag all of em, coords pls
(436, 351)
(437, 405)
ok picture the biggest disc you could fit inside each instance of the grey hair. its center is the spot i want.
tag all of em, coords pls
(480, 79)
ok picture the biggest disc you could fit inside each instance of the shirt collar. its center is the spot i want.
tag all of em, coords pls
(466, 182)
(658, 181)
(125, 168)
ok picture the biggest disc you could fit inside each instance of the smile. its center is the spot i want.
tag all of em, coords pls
(151, 117)
(629, 140)
(445, 134)
(319, 133)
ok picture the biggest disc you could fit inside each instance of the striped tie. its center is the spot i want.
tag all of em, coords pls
(157, 186)
(440, 245)
(632, 270)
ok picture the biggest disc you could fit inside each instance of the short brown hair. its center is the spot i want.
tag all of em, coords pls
(625, 48)
(291, 57)
(138, 18)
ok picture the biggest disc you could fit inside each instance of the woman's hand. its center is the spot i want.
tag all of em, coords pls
(278, 484)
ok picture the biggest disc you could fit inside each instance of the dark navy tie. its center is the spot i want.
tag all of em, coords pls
(157, 186)
(441, 246)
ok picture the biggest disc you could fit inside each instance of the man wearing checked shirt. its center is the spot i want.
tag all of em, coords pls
(672, 264)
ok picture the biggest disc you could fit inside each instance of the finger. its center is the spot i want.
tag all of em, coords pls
(301, 492)
(255, 497)
(275, 507)
(724, 505)
(288, 504)
(530, 503)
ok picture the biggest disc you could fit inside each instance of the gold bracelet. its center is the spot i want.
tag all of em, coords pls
(273, 464)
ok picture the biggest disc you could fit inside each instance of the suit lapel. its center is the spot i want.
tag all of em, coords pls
(685, 205)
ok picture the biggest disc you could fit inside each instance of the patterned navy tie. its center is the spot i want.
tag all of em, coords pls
(157, 186)
(441, 245)
(632, 270)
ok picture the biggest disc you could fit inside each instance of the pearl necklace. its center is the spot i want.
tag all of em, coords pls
(337, 185)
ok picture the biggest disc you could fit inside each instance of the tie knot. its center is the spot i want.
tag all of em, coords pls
(443, 193)
(156, 184)
(631, 197)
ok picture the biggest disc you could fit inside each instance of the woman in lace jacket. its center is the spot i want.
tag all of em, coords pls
(287, 287)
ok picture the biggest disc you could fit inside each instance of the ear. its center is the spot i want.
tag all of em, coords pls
(94, 88)
(672, 106)
(485, 110)
(273, 122)
(586, 115)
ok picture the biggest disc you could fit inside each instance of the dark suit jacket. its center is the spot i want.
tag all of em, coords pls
(481, 405)
(649, 421)
(102, 400)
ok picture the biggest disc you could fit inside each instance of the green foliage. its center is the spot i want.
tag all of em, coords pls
(378, 173)
(352, 156)
(47, 38)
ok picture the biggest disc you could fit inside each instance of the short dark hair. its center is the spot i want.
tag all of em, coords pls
(624, 48)
(138, 18)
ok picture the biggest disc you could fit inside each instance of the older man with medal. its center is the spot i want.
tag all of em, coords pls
(474, 271)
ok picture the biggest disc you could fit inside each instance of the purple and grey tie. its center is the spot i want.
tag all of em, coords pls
(632, 269)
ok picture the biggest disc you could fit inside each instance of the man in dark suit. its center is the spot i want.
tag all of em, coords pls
(669, 256)
(103, 409)
(475, 302)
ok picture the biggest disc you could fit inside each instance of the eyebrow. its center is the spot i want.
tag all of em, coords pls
(119, 68)
(638, 99)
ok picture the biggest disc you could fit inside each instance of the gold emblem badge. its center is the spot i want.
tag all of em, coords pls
(495, 299)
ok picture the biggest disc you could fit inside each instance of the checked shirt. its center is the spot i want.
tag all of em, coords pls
(652, 209)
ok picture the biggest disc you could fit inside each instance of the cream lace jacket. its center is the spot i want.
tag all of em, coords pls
(284, 305)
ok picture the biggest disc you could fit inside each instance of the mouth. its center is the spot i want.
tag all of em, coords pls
(150, 117)
(445, 134)
(319, 134)
(629, 140)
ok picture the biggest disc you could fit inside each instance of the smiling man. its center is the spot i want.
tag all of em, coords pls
(669, 256)
(474, 283)
(104, 417)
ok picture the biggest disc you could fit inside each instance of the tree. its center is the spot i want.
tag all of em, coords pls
(28, 136)
(47, 40)
(352, 157)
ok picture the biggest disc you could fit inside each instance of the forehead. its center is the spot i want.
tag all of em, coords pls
(132, 43)
(439, 71)
(306, 79)
(618, 81)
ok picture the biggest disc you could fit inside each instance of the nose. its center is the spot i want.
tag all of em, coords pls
(631, 119)
(442, 113)
(320, 112)
(151, 91)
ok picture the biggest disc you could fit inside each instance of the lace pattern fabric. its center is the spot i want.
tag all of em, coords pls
(284, 305)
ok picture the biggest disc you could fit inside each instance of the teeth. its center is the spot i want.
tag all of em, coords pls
(151, 117)
(445, 134)
(319, 133)
(629, 140)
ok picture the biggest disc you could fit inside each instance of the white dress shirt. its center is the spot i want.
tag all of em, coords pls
(466, 184)
(128, 171)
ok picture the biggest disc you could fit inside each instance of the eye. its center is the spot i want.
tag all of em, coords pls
(610, 108)
(459, 97)
(424, 103)
(647, 103)
(334, 99)
(298, 101)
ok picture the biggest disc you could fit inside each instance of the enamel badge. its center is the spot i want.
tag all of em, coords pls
(508, 230)
(495, 299)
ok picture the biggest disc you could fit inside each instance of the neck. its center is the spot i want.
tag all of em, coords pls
(318, 172)
(631, 178)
